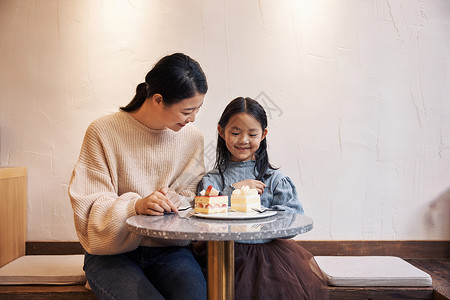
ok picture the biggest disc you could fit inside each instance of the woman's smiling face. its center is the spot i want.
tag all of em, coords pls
(178, 115)
(242, 135)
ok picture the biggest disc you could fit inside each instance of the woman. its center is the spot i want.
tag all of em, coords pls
(144, 159)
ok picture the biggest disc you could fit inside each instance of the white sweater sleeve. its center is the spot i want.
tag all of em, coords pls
(100, 213)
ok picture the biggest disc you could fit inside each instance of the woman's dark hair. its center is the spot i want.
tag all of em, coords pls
(175, 77)
(223, 156)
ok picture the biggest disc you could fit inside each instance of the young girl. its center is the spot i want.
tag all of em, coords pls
(265, 269)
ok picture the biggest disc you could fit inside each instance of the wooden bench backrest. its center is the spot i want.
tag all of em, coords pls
(13, 213)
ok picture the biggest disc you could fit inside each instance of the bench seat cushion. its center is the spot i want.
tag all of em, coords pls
(371, 271)
(44, 269)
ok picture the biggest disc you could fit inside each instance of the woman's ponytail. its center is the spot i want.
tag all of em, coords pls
(139, 98)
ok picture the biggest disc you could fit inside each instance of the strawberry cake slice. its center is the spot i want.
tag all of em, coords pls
(209, 202)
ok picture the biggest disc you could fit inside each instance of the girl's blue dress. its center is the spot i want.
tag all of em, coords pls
(268, 269)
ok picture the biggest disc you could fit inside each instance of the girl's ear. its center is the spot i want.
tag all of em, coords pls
(221, 131)
(264, 134)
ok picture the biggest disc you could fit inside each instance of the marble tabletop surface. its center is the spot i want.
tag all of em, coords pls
(183, 226)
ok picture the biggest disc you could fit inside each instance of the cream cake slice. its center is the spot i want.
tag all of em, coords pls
(210, 202)
(244, 199)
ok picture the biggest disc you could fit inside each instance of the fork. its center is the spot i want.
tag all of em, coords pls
(263, 209)
(184, 208)
(180, 209)
(187, 215)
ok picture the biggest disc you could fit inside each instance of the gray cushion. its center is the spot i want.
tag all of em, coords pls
(371, 271)
(44, 269)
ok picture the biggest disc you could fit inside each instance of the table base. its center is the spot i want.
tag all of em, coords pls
(220, 270)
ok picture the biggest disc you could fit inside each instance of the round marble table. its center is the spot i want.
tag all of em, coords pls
(220, 236)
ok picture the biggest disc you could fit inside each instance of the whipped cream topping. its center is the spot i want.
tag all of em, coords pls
(245, 190)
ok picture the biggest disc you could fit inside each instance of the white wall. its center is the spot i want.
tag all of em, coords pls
(357, 94)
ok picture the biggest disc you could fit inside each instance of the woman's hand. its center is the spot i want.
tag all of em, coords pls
(252, 183)
(155, 204)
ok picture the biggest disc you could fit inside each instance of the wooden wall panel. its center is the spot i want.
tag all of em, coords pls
(403, 249)
(13, 213)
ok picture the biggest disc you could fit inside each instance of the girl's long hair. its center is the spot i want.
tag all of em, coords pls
(223, 155)
(175, 77)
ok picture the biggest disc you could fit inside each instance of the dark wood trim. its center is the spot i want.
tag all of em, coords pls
(404, 249)
(380, 293)
(53, 248)
(43, 292)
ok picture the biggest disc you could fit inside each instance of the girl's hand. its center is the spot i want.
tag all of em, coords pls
(252, 183)
(155, 204)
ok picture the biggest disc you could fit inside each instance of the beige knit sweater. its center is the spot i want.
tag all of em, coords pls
(121, 161)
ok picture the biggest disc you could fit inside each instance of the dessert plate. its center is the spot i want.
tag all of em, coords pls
(234, 215)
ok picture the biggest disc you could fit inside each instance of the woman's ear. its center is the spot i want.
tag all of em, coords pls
(157, 99)
(264, 134)
(221, 131)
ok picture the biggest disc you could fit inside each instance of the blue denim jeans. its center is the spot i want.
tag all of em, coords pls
(146, 273)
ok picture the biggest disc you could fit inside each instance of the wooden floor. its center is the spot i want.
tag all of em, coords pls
(439, 270)
(380, 293)
(416, 253)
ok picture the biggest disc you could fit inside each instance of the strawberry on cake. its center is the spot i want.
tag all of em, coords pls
(210, 202)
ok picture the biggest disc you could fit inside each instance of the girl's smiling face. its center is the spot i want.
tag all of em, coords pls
(242, 135)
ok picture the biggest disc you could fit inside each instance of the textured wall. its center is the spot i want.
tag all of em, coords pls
(357, 94)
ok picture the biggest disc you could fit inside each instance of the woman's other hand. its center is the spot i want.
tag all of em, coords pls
(252, 183)
(155, 204)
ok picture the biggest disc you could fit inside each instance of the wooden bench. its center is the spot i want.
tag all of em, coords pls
(432, 257)
(13, 228)
(429, 256)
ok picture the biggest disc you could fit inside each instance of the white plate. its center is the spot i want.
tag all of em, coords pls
(236, 215)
